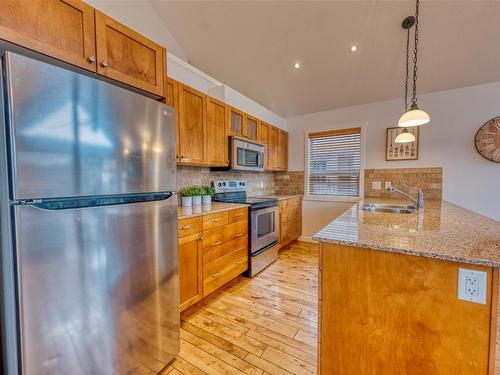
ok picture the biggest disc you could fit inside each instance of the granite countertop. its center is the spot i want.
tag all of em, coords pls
(278, 197)
(187, 212)
(442, 231)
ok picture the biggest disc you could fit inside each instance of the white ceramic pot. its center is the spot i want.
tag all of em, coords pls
(187, 201)
(207, 200)
(197, 200)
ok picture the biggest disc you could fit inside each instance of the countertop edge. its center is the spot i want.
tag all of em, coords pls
(229, 207)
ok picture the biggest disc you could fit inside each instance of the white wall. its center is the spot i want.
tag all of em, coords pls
(447, 141)
(143, 18)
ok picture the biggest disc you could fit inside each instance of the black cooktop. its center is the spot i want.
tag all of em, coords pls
(241, 197)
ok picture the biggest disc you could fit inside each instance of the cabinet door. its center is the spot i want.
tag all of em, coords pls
(263, 137)
(217, 141)
(171, 92)
(191, 129)
(63, 29)
(273, 148)
(236, 122)
(251, 127)
(128, 57)
(282, 150)
(190, 270)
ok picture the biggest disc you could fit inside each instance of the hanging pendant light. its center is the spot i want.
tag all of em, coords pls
(413, 116)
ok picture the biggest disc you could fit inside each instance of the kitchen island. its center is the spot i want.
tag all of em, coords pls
(389, 292)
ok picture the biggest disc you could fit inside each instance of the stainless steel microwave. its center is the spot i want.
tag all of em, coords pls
(246, 155)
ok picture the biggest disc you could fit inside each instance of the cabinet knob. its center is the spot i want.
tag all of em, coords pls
(104, 64)
(91, 59)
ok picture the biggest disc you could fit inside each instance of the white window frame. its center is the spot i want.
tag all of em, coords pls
(335, 198)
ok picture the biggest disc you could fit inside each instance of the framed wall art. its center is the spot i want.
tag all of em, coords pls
(401, 151)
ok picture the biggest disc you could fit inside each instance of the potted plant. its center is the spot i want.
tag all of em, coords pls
(186, 196)
(208, 192)
(197, 192)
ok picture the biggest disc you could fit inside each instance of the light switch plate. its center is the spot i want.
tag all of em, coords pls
(472, 285)
(376, 185)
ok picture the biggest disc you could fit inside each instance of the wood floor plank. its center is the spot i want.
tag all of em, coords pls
(261, 326)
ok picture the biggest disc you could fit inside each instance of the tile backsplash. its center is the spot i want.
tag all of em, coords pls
(289, 183)
(258, 183)
(430, 180)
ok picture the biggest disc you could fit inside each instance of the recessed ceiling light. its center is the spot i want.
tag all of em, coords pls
(297, 65)
(354, 48)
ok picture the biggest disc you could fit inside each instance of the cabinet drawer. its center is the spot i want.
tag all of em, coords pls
(235, 230)
(224, 269)
(238, 215)
(214, 220)
(211, 253)
(189, 226)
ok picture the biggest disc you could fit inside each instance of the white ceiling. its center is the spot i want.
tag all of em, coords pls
(251, 46)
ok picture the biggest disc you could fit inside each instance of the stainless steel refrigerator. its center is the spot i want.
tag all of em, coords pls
(88, 225)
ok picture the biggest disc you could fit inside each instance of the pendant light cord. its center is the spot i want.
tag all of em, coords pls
(407, 67)
(415, 51)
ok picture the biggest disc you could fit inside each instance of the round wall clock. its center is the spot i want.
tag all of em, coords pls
(488, 140)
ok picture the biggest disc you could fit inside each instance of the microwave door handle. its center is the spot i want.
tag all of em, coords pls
(260, 159)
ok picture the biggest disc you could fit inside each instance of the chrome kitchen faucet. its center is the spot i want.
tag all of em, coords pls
(419, 200)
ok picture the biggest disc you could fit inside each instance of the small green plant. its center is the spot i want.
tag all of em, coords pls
(208, 190)
(186, 192)
(197, 190)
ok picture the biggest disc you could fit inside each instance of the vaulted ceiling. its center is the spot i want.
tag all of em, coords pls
(252, 45)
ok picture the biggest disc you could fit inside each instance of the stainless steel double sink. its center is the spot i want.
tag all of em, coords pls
(390, 208)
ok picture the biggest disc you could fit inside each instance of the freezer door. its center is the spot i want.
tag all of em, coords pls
(72, 135)
(98, 288)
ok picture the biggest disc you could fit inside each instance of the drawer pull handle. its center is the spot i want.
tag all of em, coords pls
(184, 227)
(216, 220)
(238, 215)
(240, 261)
(239, 235)
(215, 275)
(216, 243)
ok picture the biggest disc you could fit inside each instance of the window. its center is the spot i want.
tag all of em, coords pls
(334, 163)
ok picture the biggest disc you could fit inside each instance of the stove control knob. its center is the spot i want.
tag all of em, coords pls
(223, 184)
(219, 184)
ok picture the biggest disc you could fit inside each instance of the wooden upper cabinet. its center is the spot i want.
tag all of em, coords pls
(63, 29)
(191, 127)
(171, 92)
(217, 140)
(236, 122)
(273, 148)
(282, 150)
(250, 128)
(128, 57)
(263, 137)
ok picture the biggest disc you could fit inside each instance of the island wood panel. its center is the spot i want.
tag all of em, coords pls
(191, 127)
(217, 140)
(63, 29)
(190, 270)
(128, 57)
(399, 314)
(243, 329)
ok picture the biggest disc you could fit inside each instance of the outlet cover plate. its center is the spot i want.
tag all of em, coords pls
(472, 285)
(376, 185)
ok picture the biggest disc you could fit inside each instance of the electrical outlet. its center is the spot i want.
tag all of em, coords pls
(472, 285)
(261, 184)
(376, 185)
(388, 184)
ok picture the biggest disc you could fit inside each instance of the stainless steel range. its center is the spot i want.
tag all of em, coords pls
(263, 222)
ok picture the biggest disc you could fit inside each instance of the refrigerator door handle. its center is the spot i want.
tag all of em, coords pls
(98, 201)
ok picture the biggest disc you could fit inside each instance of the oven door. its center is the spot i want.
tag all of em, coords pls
(264, 228)
(247, 156)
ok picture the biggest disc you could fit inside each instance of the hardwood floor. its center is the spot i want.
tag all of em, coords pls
(264, 325)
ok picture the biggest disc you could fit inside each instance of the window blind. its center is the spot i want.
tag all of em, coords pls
(335, 162)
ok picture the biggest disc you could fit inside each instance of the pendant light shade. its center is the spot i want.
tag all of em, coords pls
(405, 137)
(413, 117)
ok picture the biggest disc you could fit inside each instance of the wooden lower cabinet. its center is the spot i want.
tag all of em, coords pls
(190, 270)
(290, 220)
(388, 313)
(213, 256)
